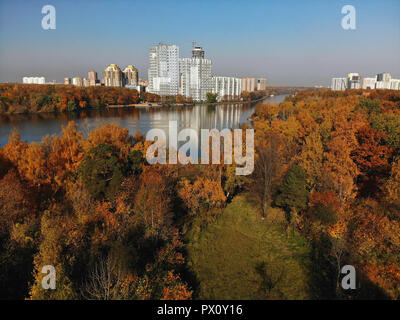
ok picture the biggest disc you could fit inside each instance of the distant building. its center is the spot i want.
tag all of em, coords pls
(353, 81)
(248, 84)
(113, 76)
(227, 87)
(395, 84)
(369, 83)
(143, 83)
(92, 77)
(131, 76)
(77, 81)
(195, 75)
(384, 77)
(164, 69)
(34, 80)
(383, 80)
(198, 52)
(67, 81)
(261, 84)
(339, 84)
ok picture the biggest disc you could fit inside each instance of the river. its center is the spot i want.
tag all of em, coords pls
(33, 127)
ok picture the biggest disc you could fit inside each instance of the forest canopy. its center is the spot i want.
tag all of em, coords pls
(326, 181)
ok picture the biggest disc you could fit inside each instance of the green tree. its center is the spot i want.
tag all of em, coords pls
(293, 193)
(101, 171)
(71, 106)
(211, 97)
(135, 162)
(369, 105)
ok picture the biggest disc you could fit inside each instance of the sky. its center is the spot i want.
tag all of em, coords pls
(289, 42)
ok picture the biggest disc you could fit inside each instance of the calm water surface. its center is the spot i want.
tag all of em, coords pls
(33, 127)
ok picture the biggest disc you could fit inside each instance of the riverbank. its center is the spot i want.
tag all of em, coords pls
(149, 105)
(231, 102)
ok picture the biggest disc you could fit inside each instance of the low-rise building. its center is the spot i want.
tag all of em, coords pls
(34, 80)
(261, 84)
(77, 81)
(369, 83)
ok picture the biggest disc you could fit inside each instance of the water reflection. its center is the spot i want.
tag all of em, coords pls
(33, 127)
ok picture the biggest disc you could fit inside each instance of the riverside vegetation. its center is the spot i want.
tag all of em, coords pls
(325, 192)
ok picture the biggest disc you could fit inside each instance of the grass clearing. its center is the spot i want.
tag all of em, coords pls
(241, 256)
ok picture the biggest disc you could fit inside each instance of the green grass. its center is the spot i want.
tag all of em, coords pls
(241, 256)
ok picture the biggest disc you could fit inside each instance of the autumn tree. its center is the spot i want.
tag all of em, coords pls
(153, 204)
(202, 195)
(372, 158)
(266, 169)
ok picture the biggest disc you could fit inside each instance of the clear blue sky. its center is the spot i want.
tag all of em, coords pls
(291, 42)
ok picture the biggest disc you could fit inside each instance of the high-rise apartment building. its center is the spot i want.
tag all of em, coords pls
(67, 81)
(248, 84)
(131, 76)
(261, 84)
(164, 69)
(227, 88)
(198, 52)
(113, 76)
(195, 75)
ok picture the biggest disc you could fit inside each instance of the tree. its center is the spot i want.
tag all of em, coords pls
(180, 99)
(211, 97)
(71, 106)
(372, 158)
(107, 281)
(293, 194)
(101, 171)
(323, 207)
(113, 135)
(311, 158)
(153, 204)
(18, 241)
(266, 169)
(64, 153)
(203, 194)
(53, 250)
(392, 187)
(340, 169)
